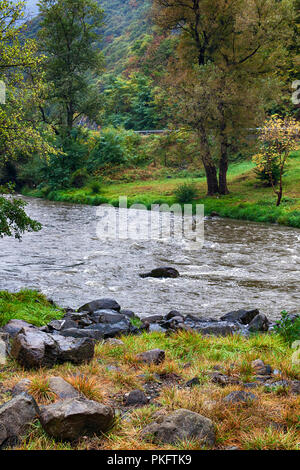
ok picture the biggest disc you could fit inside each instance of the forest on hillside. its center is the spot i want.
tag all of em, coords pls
(87, 78)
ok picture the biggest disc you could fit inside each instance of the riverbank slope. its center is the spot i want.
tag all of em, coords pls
(248, 200)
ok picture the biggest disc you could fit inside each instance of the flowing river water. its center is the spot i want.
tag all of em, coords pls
(241, 265)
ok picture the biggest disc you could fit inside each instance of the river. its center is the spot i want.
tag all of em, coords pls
(241, 265)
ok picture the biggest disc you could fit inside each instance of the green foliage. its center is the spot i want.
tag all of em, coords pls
(13, 219)
(95, 187)
(79, 178)
(113, 147)
(186, 193)
(129, 102)
(266, 176)
(59, 168)
(27, 305)
(287, 328)
(67, 36)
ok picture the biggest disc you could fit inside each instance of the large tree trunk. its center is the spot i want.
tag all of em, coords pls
(209, 166)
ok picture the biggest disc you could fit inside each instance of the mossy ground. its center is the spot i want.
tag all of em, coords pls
(272, 422)
(248, 199)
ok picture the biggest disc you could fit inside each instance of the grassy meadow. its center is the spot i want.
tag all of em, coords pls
(248, 199)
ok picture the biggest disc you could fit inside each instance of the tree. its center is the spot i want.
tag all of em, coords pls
(278, 138)
(67, 38)
(19, 128)
(242, 43)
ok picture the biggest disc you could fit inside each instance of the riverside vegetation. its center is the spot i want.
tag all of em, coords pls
(245, 387)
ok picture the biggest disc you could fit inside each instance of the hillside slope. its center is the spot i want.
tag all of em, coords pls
(125, 21)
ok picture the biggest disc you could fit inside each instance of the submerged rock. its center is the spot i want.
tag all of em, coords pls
(160, 273)
(74, 418)
(181, 425)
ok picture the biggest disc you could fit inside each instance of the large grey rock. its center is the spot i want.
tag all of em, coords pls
(22, 386)
(100, 304)
(155, 356)
(109, 316)
(13, 327)
(62, 389)
(4, 348)
(160, 273)
(34, 349)
(15, 419)
(215, 328)
(259, 324)
(107, 330)
(181, 425)
(242, 316)
(63, 324)
(74, 418)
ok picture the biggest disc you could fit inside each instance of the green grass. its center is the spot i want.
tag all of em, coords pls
(188, 355)
(248, 200)
(27, 305)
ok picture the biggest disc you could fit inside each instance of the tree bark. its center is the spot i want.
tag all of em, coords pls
(209, 166)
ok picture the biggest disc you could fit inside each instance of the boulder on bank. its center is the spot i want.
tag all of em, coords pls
(15, 419)
(181, 425)
(62, 389)
(100, 304)
(136, 398)
(33, 348)
(160, 273)
(259, 324)
(4, 348)
(155, 356)
(71, 419)
(13, 327)
(242, 316)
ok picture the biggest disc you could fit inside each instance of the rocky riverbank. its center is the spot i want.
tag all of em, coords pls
(101, 377)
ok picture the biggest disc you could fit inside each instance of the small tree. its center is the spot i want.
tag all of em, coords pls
(278, 138)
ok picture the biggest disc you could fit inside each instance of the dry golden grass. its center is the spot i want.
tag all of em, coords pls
(270, 422)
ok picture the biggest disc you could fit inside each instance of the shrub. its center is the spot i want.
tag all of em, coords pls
(109, 149)
(79, 178)
(288, 328)
(95, 187)
(186, 193)
(265, 177)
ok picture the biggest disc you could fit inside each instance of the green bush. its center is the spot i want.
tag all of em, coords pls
(266, 178)
(186, 192)
(95, 187)
(287, 328)
(79, 178)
